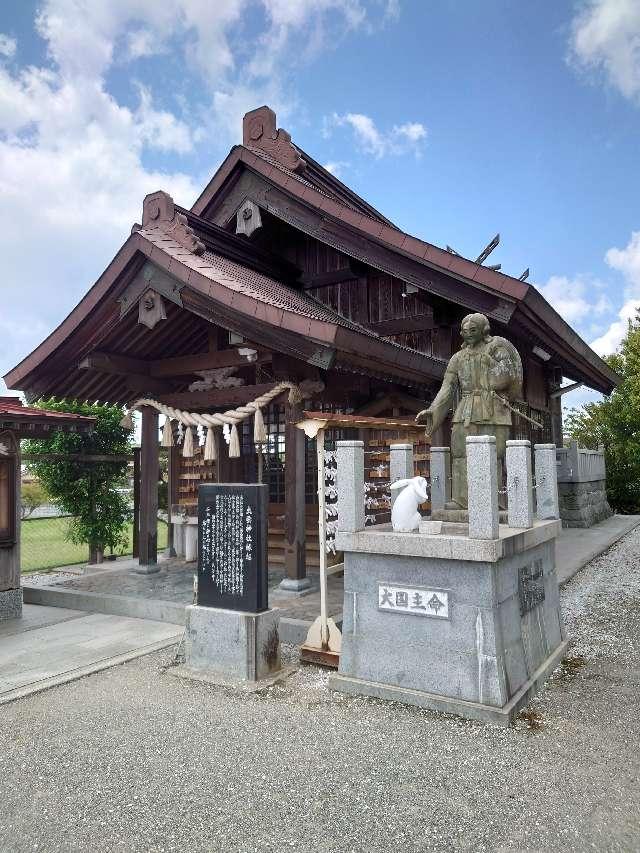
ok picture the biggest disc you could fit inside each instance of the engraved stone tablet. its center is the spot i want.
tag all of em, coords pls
(416, 601)
(530, 586)
(232, 557)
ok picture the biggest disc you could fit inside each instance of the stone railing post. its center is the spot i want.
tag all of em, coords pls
(482, 486)
(400, 465)
(440, 472)
(519, 484)
(350, 485)
(547, 503)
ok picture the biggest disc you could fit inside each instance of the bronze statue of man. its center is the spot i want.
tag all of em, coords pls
(483, 376)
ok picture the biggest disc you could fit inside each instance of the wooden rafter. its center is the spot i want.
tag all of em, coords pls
(182, 365)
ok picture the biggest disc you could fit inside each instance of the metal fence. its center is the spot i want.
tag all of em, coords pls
(45, 543)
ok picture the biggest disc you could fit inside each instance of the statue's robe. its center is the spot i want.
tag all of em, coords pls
(478, 378)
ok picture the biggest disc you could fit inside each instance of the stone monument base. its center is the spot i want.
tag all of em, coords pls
(442, 621)
(10, 604)
(449, 705)
(231, 646)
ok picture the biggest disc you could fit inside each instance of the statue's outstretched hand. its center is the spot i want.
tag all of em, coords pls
(425, 417)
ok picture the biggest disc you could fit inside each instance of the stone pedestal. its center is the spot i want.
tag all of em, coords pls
(10, 604)
(350, 484)
(400, 465)
(482, 486)
(442, 621)
(440, 469)
(230, 645)
(547, 502)
(519, 483)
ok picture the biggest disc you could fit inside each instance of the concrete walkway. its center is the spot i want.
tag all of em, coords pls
(576, 546)
(52, 645)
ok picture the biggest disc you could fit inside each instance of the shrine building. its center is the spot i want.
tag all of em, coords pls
(280, 275)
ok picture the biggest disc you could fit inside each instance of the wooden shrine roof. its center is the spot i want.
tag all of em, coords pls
(213, 288)
(39, 423)
(230, 282)
(356, 229)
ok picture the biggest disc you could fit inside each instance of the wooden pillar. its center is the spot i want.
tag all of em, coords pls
(173, 469)
(136, 501)
(149, 472)
(294, 487)
(555, 406)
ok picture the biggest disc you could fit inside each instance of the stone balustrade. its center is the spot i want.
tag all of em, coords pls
(582, 480)
(483, 511)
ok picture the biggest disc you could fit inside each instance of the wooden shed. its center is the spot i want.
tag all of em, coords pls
(18, 422)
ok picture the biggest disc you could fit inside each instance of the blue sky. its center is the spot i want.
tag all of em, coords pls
(456, 119)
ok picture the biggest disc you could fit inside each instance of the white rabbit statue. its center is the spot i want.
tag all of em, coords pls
(404, 515)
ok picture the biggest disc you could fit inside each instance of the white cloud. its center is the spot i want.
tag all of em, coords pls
(401, 139)
(627, 262)
(605, 37)
(608, 343)
(336, 167)
(74, 158)
(8, 46)
(575, 298)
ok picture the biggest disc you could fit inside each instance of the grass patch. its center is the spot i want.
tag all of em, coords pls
(43, 544)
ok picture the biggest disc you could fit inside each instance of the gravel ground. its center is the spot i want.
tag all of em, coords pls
(132, 759)
(47, 578)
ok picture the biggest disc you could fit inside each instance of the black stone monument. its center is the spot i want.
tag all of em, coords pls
(232, 553)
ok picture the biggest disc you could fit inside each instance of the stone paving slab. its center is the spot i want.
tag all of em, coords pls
(36, 658)
(35, 616)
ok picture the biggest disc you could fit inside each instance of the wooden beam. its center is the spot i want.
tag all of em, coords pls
(182, 365)
(212, 399)
(325, 279)
(399, 325)
(108, 362)
(186, 365)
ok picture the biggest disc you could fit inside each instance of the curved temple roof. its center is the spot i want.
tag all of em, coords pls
(225, 279)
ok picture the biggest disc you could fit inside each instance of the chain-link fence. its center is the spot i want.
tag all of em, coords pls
(45, 543)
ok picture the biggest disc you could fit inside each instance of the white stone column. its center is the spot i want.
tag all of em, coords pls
(547, 503)
(400, 465)
(482, 486)
(350, 485)
(440, 472)
(519, 484)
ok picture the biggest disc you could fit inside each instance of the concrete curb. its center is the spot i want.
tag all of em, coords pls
(293, 631)
(89, 669)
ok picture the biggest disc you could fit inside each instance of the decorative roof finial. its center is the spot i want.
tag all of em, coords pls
(259, 131)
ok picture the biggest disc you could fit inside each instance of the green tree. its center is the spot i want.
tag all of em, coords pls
(32, 496)
(87, 490)
(615, 423)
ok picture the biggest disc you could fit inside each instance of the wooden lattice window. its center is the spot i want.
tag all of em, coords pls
(274, 451)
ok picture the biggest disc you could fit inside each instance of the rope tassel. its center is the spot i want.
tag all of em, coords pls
(187, 447)
(259, 430)
(210, 454)
(167, 434)
(234, 443)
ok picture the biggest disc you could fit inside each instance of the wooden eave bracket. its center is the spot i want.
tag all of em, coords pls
(150, 277)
